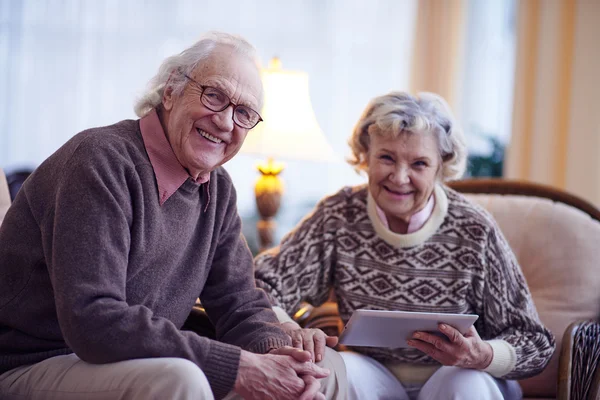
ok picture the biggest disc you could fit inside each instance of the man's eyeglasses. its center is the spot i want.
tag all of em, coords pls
(216, 100)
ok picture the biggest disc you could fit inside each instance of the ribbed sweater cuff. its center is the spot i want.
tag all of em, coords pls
(282, 316)
(221, 367)
(504, 359)
(269, 344)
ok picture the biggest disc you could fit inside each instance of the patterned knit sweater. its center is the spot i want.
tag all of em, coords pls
(458, 262)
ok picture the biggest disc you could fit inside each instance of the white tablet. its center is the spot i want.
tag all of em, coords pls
(374, 328)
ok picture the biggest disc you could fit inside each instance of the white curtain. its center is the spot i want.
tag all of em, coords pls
(486, 93)
(439, 48)
(465, 51)
(68, 65)
(556, 121)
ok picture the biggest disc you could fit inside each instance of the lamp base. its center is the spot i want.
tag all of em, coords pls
(266, 233)
(268, 204)
(268, 191)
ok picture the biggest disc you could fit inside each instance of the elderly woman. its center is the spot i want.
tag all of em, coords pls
(404, 241)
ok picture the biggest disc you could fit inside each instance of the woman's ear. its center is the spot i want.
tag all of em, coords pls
(365, 159)
(442, 160)
(447, 157)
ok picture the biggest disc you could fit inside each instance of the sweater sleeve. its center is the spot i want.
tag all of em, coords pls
(522, 345)
(86, 246)
(301, 267)
(238, 309)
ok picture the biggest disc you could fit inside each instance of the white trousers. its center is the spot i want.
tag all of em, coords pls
(369, 379)
(69, 378)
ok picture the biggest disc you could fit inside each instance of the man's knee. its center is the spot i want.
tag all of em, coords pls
(176, 378)
(335, 385)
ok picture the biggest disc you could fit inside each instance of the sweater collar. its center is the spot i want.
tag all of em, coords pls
(440, 209)
(416, 221)
(170, 174)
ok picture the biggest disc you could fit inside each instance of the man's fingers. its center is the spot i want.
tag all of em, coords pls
(319, 339)
(296, 354)
(311, 369)
(302, 356)
(309, 344)
(311, 388)
(331, 341)
(297, 341)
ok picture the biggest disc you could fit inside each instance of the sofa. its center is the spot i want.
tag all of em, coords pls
(556, 238)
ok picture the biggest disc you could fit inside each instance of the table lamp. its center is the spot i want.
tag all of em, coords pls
(289, 130)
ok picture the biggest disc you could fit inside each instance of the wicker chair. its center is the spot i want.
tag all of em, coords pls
(556, 237)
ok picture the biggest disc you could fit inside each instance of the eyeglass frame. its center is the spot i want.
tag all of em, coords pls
(231, 103)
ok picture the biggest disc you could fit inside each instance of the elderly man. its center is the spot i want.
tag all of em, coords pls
(112, 239)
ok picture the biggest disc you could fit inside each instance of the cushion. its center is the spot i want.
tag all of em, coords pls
(557, 247)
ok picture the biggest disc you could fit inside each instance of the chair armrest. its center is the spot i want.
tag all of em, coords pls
(324, 317)
(199, 322)
(578, 374)
(594, 392)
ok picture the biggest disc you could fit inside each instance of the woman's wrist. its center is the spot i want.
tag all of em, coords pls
(487, 355)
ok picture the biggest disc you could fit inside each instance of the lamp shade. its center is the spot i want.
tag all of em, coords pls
(290, 128)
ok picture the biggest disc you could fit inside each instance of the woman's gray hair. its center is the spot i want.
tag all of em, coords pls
(173, 69)
(400, 112)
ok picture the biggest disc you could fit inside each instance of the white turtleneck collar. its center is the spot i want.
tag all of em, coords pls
(420, 236)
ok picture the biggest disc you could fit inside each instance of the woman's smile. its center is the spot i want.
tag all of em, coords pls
(400, 194)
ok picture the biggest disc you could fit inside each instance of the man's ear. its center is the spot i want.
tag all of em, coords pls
(167, 97)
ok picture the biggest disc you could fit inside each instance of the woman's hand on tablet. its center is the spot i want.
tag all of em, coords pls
(465, 351)
(311, 340)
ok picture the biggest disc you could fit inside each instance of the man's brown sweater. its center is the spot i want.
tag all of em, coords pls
(91, 263)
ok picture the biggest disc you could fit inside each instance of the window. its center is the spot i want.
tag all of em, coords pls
(487, 89)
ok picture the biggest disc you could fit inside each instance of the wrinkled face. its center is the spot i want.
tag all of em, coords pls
(402, 173)
(203, 139)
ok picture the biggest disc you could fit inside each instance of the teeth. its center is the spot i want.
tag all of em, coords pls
(397, 192)
(209, 136)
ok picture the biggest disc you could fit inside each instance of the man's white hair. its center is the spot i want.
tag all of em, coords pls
(173, 69)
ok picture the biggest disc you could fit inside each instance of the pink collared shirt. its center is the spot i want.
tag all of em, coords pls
(416, 221)
(169, 173)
